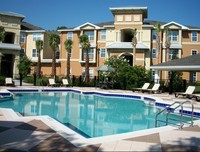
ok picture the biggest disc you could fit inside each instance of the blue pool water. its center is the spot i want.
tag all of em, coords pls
(91, 115)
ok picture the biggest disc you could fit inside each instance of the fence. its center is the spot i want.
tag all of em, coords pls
(166, 84)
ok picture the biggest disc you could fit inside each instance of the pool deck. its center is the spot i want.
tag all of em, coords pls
(42, 133)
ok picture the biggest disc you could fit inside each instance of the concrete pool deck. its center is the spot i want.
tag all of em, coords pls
(42, 133)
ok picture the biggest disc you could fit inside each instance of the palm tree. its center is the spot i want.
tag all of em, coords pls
(167, 42)
(2, 34)
(54, 41)
(158, 47)
(39, 47)
(85, 44)
(68, 47)
(134, 43)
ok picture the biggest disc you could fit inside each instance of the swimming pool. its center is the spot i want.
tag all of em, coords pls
(92, 115)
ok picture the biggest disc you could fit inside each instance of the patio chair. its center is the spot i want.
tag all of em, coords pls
(9, 82)
(65, 82)
(52, 83)
(154, 89)
(188, 93)
(144, 87)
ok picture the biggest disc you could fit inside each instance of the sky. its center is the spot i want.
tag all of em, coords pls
(49, 14)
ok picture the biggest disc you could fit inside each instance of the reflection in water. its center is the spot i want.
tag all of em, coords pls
(91, 114)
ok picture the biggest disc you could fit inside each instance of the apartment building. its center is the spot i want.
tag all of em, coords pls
(10, 47)
(106, 39)
(28, 36)
(114, 38)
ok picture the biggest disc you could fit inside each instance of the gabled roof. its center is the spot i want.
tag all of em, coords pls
(190, 63)
(86, 24)
(174, 23)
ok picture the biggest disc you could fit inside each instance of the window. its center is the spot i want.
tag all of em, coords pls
(136, 18)
(128, 18)
(194, 76)
(194, 36)
(153, 35)
(90, 35)
(91, 71)
(193, 52)
(70, 35)
(37, 36)
(22, 52)
(22, 37)
(91, 54)
(102, 52)
(153, 74)
(173, 36)
(172, 54)
(119, 18)
(153, 53)
(34, 53)
(57, 54)
(103, 34)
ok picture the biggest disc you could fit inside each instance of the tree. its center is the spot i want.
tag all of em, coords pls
(85, 44)
(68, 47)
(124, 73)
(54, 41)
(134, 43)
(24, 66)
(2, 34)
(158, 44)
(167, 42)
(39, 47)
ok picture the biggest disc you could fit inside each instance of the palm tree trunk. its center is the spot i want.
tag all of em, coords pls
(87, 66)
(134, 55)
(39, 64)
(54, 65)
(68, 65)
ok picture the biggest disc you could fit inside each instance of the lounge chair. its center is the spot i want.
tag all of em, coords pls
(144, 87)
(9, 82)
(154, 89)
(188, 93)
(52, 83)
(65, 82)
(196, 96)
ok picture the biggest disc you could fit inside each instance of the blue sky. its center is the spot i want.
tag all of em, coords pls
(49, 14)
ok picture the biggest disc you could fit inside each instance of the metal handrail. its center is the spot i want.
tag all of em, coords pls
(180, 104)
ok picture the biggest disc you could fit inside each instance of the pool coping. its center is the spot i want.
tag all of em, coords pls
(79, 140)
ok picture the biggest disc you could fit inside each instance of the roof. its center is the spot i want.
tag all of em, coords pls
(143, 10)
(12, 14)
(190, 63)
(28, 26)
(8, 46)
(126, 45)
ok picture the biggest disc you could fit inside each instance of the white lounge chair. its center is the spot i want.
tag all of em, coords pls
(65, 82)
(188, 93)
(154, 89)
(52, 83)
(9, 82)
(144, 87)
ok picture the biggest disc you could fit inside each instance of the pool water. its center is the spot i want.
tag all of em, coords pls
(90, 115)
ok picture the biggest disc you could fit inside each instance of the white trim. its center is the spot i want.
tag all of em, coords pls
(182, 26)
(177, 68)
(87, 23)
